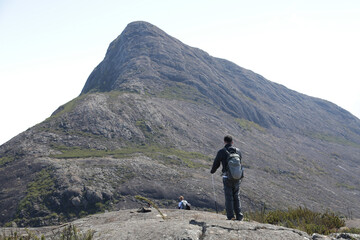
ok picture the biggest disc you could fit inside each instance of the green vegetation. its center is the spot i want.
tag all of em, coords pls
(125, 173)
(6, 159)
(166, 155)
(269, 170)
(67, 233)
(151, 132)
(37, 192)
(300, 218)
(38, 199)
(72, 233)
(61, 131)
(42, 186)
(78, 152)
(290, 174)
(184, 92)
(16, 236)
(351, 230)
(145, 129)
(173, 156)
(138, 197)
(333, 139)
(317, 169)
(249, 125)
(68, 107)
(347, 186)
(116, 93)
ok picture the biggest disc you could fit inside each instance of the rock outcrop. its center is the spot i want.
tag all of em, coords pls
(179, 224)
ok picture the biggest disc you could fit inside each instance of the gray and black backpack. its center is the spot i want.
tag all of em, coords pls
(234, 169)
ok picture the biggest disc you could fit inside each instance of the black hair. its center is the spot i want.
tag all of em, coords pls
(228, 139)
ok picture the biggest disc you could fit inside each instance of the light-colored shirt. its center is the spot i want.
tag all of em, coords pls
(182, 204)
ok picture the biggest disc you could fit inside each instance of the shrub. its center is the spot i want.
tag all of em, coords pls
(300, 218)
(249, 125)
(6, 159)
(351, 230)
(72, 233)
(67, 233)
(37, 192)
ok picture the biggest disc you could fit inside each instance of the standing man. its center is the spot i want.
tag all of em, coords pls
(231, 186)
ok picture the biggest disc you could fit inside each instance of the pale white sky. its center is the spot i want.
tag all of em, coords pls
(48, 48)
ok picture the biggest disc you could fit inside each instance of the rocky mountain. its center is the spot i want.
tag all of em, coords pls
(149, 121)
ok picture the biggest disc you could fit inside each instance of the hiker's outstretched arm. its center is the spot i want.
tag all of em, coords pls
(216, 163)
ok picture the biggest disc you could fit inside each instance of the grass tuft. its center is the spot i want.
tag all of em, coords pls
(249, 125)
(184, 92)
(6, 159)
(300, 218)
(141, 198)
(67, 233)
(171, 156)
(333, 139)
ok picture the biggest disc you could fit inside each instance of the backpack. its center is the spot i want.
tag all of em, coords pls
(186, 205)
(234, 169)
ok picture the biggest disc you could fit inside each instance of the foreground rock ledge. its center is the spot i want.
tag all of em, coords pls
(179, 224)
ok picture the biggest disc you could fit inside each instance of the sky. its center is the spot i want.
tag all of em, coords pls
(48, 48)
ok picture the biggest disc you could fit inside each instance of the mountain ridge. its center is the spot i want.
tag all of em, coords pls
(185, 72)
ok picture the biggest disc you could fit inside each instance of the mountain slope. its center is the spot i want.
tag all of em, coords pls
(145, 59)
(149, 121)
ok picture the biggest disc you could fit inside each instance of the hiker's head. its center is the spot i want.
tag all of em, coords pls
(181, 198)
(228, 139)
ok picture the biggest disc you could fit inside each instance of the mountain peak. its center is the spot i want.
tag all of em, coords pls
(142, 26)
(146, 60)
(139, 47)
(141, 29)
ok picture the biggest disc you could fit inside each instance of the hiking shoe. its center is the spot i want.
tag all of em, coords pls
(240, 217)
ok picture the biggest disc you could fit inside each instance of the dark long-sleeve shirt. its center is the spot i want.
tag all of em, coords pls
(221, 157)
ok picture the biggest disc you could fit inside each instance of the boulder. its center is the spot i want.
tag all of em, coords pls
(76, 201)
(93, 196)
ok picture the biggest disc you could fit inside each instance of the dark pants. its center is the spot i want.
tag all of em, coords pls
(232, 199)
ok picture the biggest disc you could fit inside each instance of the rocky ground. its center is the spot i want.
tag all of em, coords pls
(178, 224)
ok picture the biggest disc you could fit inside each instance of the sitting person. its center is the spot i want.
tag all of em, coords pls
(183, 204)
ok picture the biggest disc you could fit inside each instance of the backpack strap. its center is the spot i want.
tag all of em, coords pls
(227, 158)
(227, 152)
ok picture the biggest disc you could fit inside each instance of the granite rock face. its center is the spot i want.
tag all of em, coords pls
(181, 224)
(178, 224)
(149, 122)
